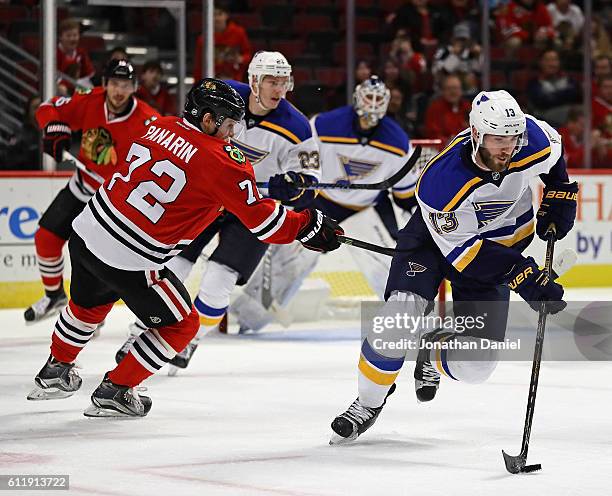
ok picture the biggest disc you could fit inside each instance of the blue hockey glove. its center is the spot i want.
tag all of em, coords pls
(535, 286)
(558, 207)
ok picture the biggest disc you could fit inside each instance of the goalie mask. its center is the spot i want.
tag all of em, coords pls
(269, 64)
(498, 114)
(371, 100)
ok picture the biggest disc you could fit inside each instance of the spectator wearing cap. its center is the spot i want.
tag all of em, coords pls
(462, 56)
(153, 91)
(447, 115)
(552, 92)
(72, 60)
(232, 47)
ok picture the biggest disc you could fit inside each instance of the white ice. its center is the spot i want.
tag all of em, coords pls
(251, 417)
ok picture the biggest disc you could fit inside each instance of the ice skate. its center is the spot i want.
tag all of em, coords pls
(182, 359)
(426, 377)
(55, 380)
(46, 307)
(112, 400)
(135, 329)
(349, 425)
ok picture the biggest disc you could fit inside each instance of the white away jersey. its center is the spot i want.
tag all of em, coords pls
(348, 156)
(476, 216)
(278, 142)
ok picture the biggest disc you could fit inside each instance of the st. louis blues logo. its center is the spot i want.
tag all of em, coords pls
(356, 168)
(487, 212)
(414, 268)
(253, 154)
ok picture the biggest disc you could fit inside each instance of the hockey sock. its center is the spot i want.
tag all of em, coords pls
(467, 361)
(152, 350)
(50, 260)
(377, 373)
(213, 299)
(180, 266)
(74, 328)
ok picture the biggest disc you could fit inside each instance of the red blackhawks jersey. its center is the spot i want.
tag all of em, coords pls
(106, 137)
(175, 181)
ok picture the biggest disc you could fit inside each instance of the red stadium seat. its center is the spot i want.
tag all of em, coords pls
(290, 48)
(93, 43)
(362, 51)
(331, 76)
(30, 43)
(301, 74)
(9, 13)
(519, 79)
(303, 23)
(248, 20)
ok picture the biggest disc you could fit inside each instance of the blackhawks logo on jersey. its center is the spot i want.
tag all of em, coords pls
(83, 91)
(235, 154)
(97, 145)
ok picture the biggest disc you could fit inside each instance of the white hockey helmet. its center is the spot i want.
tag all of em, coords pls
(268, 64)
(371, 100)
(499, 114)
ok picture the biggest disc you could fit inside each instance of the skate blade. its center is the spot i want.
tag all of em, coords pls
(47, 316)
(173, 371)
(99, 412)
(39, 394)
(337, 440)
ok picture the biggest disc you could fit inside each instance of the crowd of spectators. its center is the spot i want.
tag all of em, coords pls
(428, 52)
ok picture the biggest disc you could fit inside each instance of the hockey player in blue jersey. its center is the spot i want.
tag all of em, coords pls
(475, 218)
(278, 142)
(357, 144)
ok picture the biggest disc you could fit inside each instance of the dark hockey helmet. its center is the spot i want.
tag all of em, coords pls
(119, 69)
(216, 97)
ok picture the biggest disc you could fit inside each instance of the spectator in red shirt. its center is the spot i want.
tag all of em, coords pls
(525, 22)
(447, 115)
(153, 91)
(232, 47)
(572, 135)
(71, 59)
(602, 108)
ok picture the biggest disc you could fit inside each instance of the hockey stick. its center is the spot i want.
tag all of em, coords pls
(518, 463)
(69, 157)
(368, 246)
(386, 184)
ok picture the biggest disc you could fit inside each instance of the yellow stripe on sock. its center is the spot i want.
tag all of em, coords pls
(375, 375)
(210, 321)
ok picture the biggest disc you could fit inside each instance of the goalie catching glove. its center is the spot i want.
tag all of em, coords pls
(535, 286)
(56, 139)
(321, 232)
(558, 207)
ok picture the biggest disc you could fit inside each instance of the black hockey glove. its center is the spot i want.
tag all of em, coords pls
(56, 139)
(286, 187)
(558, 207)
(535, 286)
(320, 234)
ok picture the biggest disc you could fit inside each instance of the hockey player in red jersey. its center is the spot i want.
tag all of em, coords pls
(177, 177)
(107, 116)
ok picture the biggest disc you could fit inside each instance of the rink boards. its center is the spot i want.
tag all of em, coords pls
(25, 195)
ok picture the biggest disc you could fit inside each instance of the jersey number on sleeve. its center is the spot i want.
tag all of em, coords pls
(152, 211)
(252, 192)
(309, 161)
(443, 223)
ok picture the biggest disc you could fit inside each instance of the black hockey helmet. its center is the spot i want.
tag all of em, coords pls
(216, 97)
(119, 69)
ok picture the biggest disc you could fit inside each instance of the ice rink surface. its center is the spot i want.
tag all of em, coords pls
(251, 417)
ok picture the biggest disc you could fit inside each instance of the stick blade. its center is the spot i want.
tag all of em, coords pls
(514, 464)
(532, 468)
